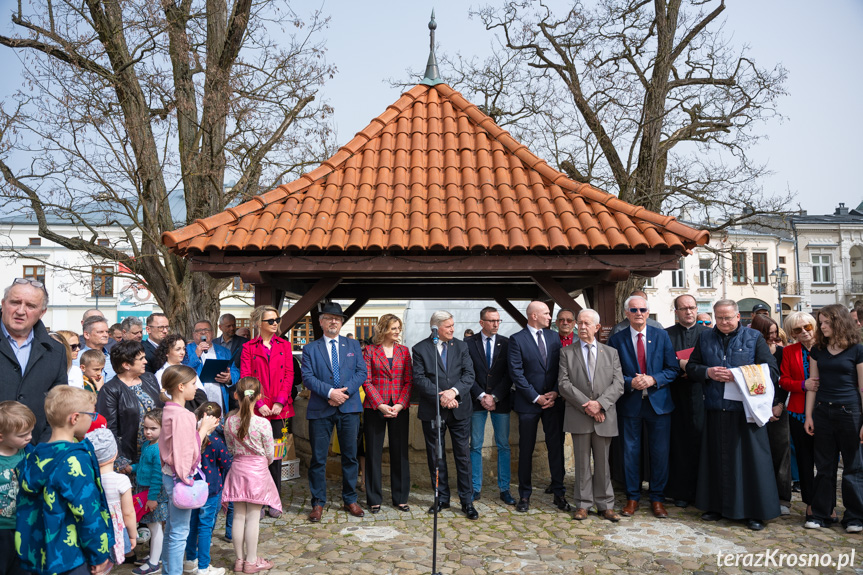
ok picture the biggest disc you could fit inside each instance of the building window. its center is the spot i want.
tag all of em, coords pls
(759, 267)
(240, 285)
(678, 279)
(821, 269)
(35, 241)
(738, 267)
(34, 273)
(705, 272)
(781, 259)
(648, 283)
(102, 242)
(364, 327)
(243, 322)
(102, 282)
(302, 333)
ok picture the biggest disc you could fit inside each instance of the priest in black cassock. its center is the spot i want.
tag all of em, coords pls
(687, 419)
(735, 474)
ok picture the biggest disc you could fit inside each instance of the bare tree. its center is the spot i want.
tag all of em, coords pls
(135, 113)
(647, 100)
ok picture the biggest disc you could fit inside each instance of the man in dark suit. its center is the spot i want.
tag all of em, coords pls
(157, 329)
(649, 366)
(533, 357)
(491, 397)
(229, 338)
(443, 373)
(333, 371)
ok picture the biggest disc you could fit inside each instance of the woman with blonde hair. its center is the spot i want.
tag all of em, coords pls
(388, 392)
(69, 340)
(268, 357)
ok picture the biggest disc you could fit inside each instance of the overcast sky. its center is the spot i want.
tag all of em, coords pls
(814, 152)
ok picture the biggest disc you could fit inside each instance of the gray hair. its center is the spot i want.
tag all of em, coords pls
(591, 311)
(28, 282)
(727, 303)
(129, 322)
(439, 317)
(91, 321)
(200, 321)
(798, 318)
(227, 316)
(632, 297)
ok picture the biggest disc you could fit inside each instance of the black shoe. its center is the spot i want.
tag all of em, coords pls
(469, 510)
(711, 516)
(795, 487)
(440, 506)
(506, 497)
(561, 503)
(681, 503)
(754, 524)
(477, 495)
(548, 490)
(523, 505)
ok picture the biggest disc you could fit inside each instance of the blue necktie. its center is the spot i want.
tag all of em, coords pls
(488, 351)
(443, 355)
(335, 356)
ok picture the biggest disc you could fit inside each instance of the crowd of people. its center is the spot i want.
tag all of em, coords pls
(726, 415)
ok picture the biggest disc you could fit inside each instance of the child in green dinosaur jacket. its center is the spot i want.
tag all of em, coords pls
(63, 524)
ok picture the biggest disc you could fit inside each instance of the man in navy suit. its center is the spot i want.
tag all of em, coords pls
(333, 370)
(534, 362)
(649, 366)
(451, 389)
(491, 397)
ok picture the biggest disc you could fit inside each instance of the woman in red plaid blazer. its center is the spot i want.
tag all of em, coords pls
(388, 392)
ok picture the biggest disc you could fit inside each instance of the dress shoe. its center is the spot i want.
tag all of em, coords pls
(659, 510)
(523, 505)
(754, 524)
(354, 509)
(440, 506)
(477, 495)
(580, 514)
(315, 515)
(630, 508)
(610, 515)
(681, 503)
(548, 490)
(374, 509)
(711, 516)
(561, 503)
(506, 497)
(468, 509)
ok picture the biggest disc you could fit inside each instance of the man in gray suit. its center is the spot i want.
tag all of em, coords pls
(591, 381)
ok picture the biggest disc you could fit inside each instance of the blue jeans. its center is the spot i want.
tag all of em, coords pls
(201, 531)
(229, 520)
(176, 532)
(320, 433)
(500, 424)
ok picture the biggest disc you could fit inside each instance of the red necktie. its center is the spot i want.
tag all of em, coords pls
(642, 357)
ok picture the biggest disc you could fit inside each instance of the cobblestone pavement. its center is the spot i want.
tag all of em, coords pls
(544, 540)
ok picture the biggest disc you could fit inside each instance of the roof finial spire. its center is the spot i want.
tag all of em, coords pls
(432, 76)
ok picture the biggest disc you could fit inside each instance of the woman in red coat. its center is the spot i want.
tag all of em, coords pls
(268, 358)
(388, 392)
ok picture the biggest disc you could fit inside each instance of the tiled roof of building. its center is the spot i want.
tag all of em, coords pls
(434, 173)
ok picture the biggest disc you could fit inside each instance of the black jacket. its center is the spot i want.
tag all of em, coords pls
(121, 408)
(495, 381)
(45, 369)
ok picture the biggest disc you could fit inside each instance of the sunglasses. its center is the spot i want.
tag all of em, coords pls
(75, 346)
(799, 330)
(638, 309)
(25, 281)
(272, 321)
(704, 322)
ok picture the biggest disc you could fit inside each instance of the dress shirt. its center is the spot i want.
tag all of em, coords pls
(490, 339)
(329, 354)
(22, 352)
(584, 347)
(439, 348)
(567, 340)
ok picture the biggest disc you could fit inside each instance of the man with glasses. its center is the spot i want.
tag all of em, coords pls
(687, 419)
(704, 319)
(157, 329)
(565, 326)
(649, 366)
(625, 323)
(491, 397)
(198, 351)
(333, 371)
(735, 474)
(31, 362)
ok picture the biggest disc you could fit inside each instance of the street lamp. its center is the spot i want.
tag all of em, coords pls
(779, 277)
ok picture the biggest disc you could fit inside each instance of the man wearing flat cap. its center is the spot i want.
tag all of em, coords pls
(333, 371)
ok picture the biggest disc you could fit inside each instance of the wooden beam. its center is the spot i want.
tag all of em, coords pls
(269, 295)
(511, 310)
(556, 292)
(355, 307)
(306, 303)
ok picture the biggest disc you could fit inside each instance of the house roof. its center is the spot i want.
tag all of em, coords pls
(434, 173)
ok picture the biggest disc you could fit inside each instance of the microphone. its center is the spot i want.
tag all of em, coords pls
(435, 338)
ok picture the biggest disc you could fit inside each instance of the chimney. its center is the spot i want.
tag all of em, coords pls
(841, 210)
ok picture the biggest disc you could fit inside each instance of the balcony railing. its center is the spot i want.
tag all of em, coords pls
(854, 286)
(792, 288)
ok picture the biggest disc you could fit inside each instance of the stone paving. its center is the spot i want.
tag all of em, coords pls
(544, 540)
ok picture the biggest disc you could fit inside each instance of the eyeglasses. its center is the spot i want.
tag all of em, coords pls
(704, 322)
(159, 327)
(93, 414)
(638, 310)
(271, 321)
(26, 281)
(332, 318)
(565, 320)
(204, 330)
(693, 308)
(799, 330)
(75, 346)
(726, 318)
(493, 320)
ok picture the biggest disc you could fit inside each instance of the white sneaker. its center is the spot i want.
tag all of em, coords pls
(190, 566)
(784, 510)
(812, 525)
(143, 534)
(210, 570)
(854, 529)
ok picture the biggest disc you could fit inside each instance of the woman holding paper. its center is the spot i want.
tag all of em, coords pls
(833, 416)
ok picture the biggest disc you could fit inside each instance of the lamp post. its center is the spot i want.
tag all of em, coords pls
(779, 277)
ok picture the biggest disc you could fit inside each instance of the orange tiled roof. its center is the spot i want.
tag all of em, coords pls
(434, 173)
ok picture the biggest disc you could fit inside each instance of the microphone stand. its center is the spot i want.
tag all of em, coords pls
(438, 455)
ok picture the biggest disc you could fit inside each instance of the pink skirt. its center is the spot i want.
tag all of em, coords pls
(249, 480)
